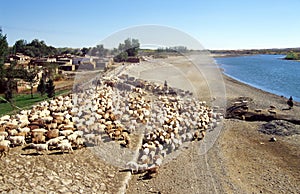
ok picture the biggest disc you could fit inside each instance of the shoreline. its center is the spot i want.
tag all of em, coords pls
(237, 149)
(279, 94)
(257, 87)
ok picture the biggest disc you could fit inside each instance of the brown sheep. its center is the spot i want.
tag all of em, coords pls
(38, 138)
(52, 133)
(3, 150)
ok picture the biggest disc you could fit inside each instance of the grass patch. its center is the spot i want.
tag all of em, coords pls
(25, 101)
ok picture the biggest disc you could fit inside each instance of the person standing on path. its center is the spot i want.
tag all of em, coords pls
(290, 102)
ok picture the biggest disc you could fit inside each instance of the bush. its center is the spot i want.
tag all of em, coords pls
(50, 88)
(41, 87)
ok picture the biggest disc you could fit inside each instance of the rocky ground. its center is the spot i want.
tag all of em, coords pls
(241, 160)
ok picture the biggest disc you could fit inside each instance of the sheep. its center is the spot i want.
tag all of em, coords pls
(79, 133)
(79, 142)
(89, 137)
(65, 146)
(40, 130)
(132, 166)
(52, 125)
(39, 147)
(66, 132)
(3, 150)
(52, 133)
(258, 110)
(24, 129)
(3, 133)
(145, 159)
(271, 111)
(142, 167)
(97, 139)
(2, 138)
(158, 162)
(72, 137)
(17, 140)
(55, 141)
(12, 132)
(39, 138)
(5, 118)
(5, 143)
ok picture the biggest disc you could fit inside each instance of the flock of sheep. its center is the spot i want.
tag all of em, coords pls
(112, 110)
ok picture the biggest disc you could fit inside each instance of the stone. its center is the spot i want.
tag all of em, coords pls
(102, 187)
(66, 181)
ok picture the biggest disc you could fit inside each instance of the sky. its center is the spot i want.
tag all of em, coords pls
(216, 24)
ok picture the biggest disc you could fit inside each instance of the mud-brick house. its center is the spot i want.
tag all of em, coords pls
(19, 58)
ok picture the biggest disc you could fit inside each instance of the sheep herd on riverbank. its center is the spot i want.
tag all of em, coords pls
(112, 110)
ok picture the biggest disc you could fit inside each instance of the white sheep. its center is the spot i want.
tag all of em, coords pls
(145, 159)
(24, 130)
(5, 143)
(12, 132)
(66, 132)
(78, 133)
(5, 118)
(158, 161)
(72, 137)
(142, 167)
(17, 140)
(89, 137)
(65, 146)
(133, 166)
(55, 141)
(79, 142)
(3, 133)
(2, 137)
(40, 147)
(41, 130)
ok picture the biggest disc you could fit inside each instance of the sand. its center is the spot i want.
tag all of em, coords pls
(235, 158)
(240, 159)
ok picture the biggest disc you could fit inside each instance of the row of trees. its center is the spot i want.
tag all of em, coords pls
(35, 48)
(47, 88)
(129, 48)
(180, 49)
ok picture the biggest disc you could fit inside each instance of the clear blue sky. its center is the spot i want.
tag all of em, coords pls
(217, 24)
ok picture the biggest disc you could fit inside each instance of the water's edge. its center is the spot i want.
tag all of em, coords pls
(280, 94)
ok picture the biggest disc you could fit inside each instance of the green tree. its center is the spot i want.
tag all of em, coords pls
(19, 46)
(50, 88)
(30, 77)
(3, 56)
(84, 51)
(10, 83)
(292, 56)
(131, 46)
(41, 87)
(99, 51)
(123, 56)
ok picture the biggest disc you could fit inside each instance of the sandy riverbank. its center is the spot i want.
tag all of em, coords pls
(241, 160)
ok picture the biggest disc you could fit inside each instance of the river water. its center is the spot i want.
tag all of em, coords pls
(267, 72)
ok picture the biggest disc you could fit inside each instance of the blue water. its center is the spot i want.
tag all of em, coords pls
(267, 72)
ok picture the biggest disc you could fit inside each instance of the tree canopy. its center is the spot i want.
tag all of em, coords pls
(129, 48)
(35, 48)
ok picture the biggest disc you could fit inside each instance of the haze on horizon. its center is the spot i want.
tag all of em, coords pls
(218, 25)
